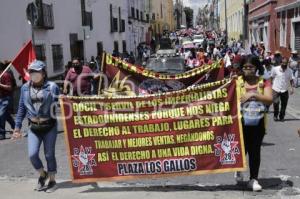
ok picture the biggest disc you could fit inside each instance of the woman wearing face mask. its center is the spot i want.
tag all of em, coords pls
(38, 103)
(256, 93)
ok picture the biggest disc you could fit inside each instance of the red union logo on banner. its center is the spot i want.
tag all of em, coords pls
(188, 132)
(84, 160)
(227, 149)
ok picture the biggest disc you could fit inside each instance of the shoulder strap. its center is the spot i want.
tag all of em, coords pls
(241, 85)
(260, 86)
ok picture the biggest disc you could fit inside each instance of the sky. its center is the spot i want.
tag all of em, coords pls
(195, 3)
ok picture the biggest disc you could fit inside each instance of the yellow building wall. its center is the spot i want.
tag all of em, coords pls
(170, 14)
(164, 17)
(235, 17)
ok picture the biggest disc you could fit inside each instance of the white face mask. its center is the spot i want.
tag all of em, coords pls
(36, 77)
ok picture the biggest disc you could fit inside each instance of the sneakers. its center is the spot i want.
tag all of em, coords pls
(238, 177)
(254, 186)
(275, 119)
(41, 182)
(51, 187)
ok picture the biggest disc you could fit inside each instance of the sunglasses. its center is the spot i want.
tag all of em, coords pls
(249, 67)
(76, 64)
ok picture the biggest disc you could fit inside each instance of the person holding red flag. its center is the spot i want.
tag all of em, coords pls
(21, 62)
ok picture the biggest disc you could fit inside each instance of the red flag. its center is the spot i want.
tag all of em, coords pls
(23, 60)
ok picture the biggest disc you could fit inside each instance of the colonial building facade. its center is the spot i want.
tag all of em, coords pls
(138, 23)
(162, 16)
(67, 29)
(234, 19)
(276, 23)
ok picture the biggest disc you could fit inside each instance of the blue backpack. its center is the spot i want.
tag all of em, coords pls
(252, 111)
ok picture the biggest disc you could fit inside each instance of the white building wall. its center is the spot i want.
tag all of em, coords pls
(15, 30)
(137, 30)
(67, 19)
(101, 21)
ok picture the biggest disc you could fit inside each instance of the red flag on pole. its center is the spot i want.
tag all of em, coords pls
(23, 60)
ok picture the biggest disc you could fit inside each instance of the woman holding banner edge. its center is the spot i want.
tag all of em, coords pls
(38, 103)
(256, 93)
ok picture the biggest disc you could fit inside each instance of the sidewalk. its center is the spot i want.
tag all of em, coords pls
(23, 188)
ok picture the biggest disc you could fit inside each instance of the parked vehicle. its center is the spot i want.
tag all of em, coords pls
(198, 40)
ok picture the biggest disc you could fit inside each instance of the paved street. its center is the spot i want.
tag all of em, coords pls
(279, 172)
(75, 43)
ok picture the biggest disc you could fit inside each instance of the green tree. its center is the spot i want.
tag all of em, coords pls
(189, 16)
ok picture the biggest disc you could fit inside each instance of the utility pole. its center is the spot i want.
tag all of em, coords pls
(245, 29)
(217, 15)
(226, 23)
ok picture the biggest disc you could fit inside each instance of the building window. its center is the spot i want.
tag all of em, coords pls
(122, 26)
(137, 14)
(255, 39)
(124, 46)
(115, 25)
(261, 34)
(111, 18)
(46, 19)
(132, 12)
(161, 11)
(116, 46)
(266, 35)
(99, 51)
(283, 29)
(87, 17)
(251, 36)
(113, 21)
(57, 55)
(40, 52)
(99, 48)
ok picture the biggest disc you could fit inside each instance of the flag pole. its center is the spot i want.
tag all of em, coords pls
(5, 70)
(101, 70)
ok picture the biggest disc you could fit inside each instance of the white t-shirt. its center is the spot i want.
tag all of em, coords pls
(227, 60)
(216, 52)
(267, 74)
(281, 79)
(187, 55)
(294, 63)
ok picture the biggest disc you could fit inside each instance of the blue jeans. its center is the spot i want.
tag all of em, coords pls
(10, 120)
(34, 143)
(4, 106)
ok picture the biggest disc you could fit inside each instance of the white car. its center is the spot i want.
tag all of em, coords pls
(198, 39)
